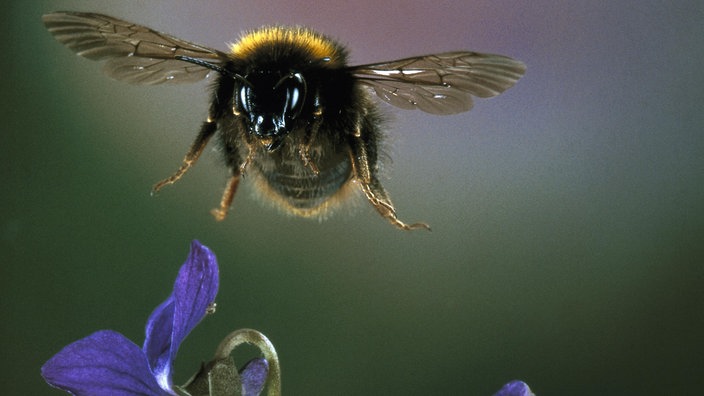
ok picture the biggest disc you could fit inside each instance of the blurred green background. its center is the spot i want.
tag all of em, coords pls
(568, 214)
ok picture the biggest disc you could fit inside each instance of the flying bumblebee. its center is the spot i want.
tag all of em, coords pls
(287, 110)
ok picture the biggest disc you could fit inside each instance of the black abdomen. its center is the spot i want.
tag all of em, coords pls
(296, 187)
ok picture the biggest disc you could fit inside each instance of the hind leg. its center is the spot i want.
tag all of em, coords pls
(365, 174)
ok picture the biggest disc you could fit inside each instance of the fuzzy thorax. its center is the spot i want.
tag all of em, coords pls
(312, 42)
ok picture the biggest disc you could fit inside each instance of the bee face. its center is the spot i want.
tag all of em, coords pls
(270, 104)
(287, 109)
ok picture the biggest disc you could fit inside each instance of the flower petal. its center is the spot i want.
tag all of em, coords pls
(194, 290)
(104, 363)
(157, 343)
(253, 376)
(515, 388)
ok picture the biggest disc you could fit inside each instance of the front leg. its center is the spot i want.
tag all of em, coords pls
(206, 132)
(365, 174)
(311, 134)
(228, 195)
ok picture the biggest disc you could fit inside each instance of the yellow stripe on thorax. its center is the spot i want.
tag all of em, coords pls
(318, 45)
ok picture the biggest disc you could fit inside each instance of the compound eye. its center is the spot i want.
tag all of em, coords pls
(293, 99)
(296, 87)
(244, 98)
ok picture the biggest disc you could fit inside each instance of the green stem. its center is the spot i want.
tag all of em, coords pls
(250, 336)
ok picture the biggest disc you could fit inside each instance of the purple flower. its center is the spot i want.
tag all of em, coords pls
(253, 376)
(515, 388)
(107, 363)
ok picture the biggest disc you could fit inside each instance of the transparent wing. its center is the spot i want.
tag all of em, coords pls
(134, 53)
(441, 83)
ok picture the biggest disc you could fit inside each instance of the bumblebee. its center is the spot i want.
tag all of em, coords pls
(287, 110)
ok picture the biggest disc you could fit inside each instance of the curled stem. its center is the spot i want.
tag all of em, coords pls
(250, 336)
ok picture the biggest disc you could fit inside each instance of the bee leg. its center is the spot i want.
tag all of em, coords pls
(304, 149)
(250, 156)
(227, 197)
(206, 132)
(372, 188)
(311, 134)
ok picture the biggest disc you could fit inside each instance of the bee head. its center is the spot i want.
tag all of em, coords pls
(270, 103)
